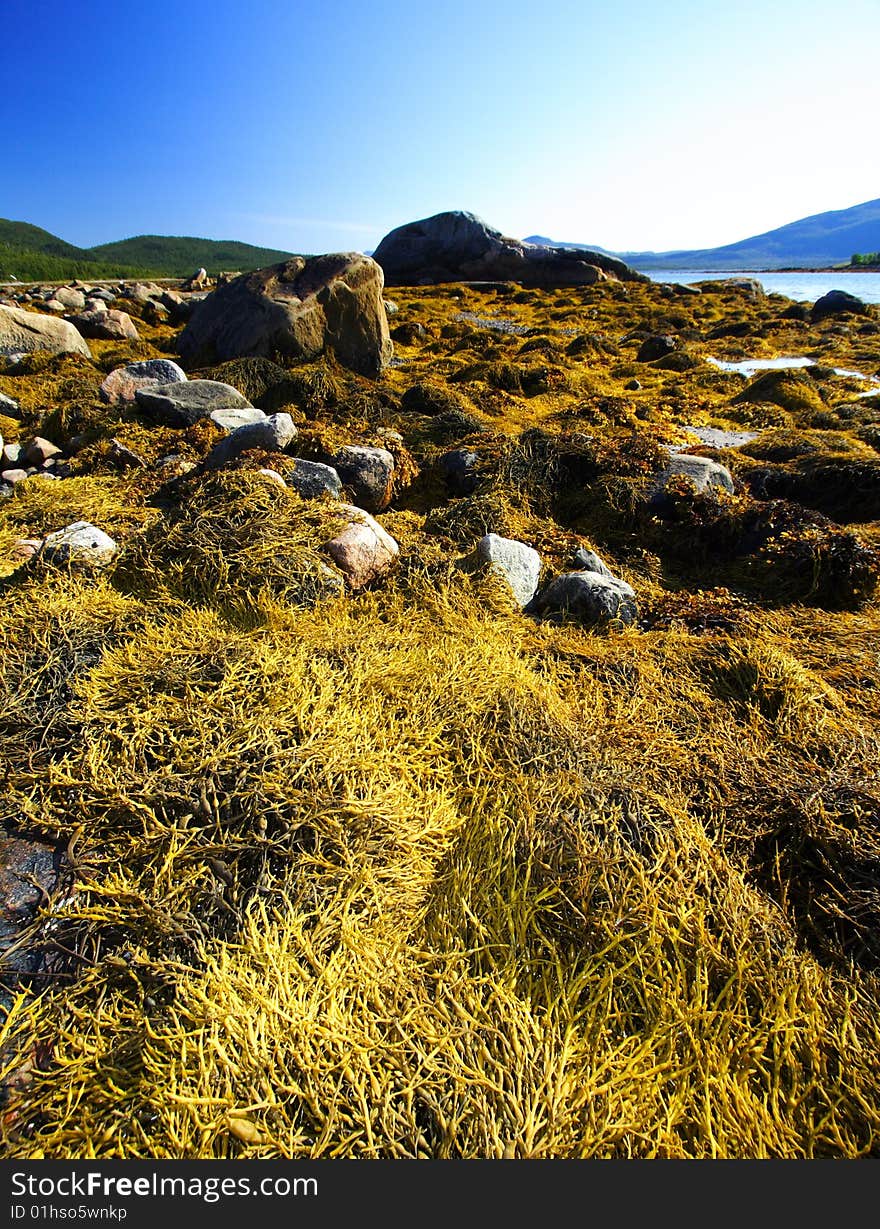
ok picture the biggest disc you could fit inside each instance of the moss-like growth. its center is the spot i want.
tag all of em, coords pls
(235, 539)
(434, 399)
(792, 390)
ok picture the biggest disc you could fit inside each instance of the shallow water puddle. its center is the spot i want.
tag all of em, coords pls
(751, 366)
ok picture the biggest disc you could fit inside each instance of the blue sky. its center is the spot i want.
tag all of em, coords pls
(317, 127)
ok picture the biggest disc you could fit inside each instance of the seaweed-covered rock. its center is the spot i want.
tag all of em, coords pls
(518, 564)
(654, 347)
(28, 873)
(458, 246)
(296, 310)
(22, 332)
(410, 333)
(703, 472)
(748, 287)
(459, 470)
(589, 596)
(790, 389)
(834, 303)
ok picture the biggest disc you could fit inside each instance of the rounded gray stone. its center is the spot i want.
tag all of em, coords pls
(272, 434)
(369, 472)
(590, 597)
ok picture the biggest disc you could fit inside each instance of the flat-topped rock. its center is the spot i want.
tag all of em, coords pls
(183, 403)
(240, 416)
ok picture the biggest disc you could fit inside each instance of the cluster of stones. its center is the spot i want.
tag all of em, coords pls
(81, 311)
(162, 391)
(589, 591)
(35, 457)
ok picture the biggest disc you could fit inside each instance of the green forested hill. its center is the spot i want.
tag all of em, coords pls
(178, 256)
(28, 253)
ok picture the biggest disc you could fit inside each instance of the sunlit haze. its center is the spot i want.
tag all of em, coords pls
(321, 127)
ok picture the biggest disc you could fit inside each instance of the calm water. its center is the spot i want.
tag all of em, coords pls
(806, 287)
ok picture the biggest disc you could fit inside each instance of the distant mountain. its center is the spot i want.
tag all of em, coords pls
(28, 253)
(823, 239)
(543, 241)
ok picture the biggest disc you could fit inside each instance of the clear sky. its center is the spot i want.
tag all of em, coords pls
(633, 124)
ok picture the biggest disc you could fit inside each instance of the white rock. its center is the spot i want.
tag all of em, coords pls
(79, 543)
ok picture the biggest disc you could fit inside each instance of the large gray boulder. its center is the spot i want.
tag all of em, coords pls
(296, 310)
(460, 247)
(22, 332)
(182, 403)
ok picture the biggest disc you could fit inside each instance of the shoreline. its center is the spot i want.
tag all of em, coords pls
(746, 272)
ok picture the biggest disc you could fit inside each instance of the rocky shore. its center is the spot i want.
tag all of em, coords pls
(391, 669)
